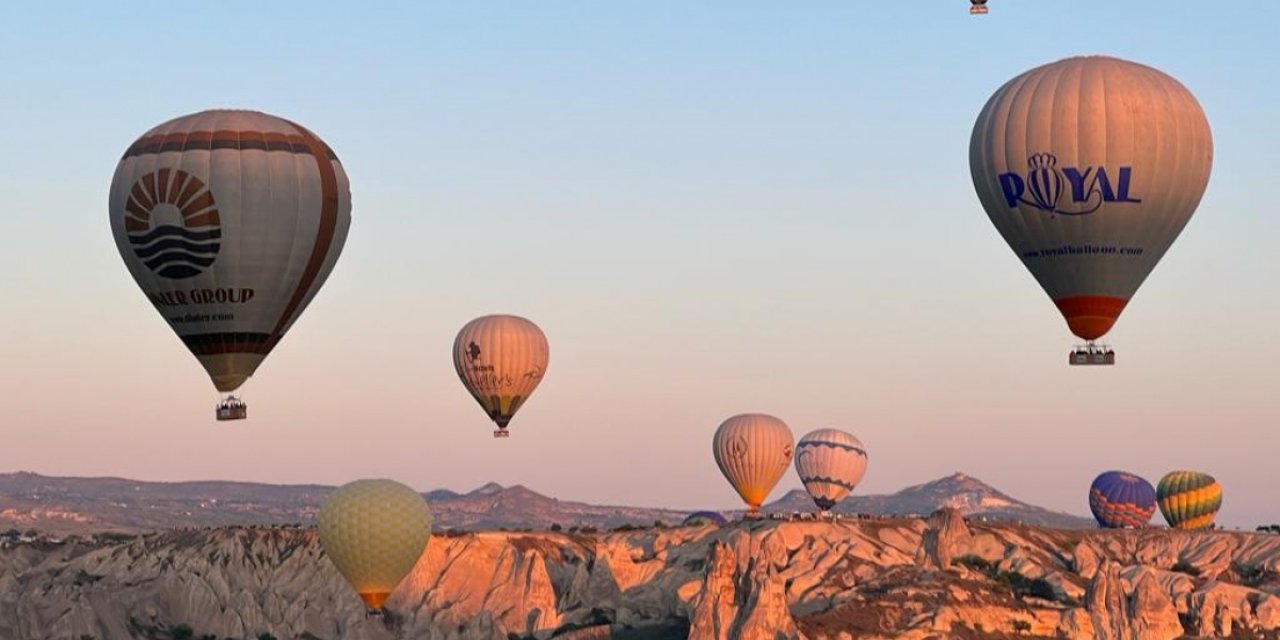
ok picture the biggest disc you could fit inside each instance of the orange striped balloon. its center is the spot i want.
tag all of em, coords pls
(501, 359)
(753, 450)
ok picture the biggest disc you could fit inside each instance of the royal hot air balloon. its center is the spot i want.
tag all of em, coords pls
(704, 518)
(1189, 499)
(374, 531)
(230, 221)
(1090, 168)
(1121, 500)
(753, 450)
(830, 463)
(501, 360)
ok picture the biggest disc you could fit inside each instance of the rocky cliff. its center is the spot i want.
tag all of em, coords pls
(940, 577)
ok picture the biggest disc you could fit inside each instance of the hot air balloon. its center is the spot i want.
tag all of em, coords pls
(1120, 500)
(753, 450)
(977, 7)
(704, 518)
(230, 221)
(374, 531)
(830, 463)
(1189, 499)
(1090, 168)
(501, 360)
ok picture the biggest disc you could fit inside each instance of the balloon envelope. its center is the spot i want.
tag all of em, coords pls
(703, 518)
(500, 360)
(1189, 499)
(1119, 499)
(374, 531)
(1090, 168)
(830, 463)
(753, 450)
(230, 221)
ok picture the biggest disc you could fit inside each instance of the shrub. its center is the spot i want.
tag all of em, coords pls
(182, 632)
(973, 562)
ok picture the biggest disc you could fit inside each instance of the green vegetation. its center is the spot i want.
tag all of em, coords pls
(1018, 584)
(1022, 586)
(974, 562)
(182, 632)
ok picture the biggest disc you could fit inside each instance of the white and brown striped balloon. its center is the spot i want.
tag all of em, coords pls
(230, 221)
(501, 359)
(831, 463)
(753, 450)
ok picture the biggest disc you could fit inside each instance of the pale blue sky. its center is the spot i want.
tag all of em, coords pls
(709, 209)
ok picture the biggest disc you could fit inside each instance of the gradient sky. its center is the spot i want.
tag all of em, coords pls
(709, 209)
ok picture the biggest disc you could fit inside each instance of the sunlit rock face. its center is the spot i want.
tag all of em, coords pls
(942, 576)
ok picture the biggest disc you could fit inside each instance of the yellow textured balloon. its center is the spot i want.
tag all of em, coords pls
(374, 531)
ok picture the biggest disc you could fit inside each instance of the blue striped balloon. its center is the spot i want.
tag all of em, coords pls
(1119, 499)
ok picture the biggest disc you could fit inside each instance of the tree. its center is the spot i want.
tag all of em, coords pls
(555, 526)
(182, 632)
(266, 636)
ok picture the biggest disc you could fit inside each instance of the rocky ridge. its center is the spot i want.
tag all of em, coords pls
(940, 577)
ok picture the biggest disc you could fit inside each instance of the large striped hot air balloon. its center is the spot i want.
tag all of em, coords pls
(753, 450)
(1189, 499)
(230, 221)
(374, 531)
(1090, 168)
(830, 463)
(500, 360)
(1120, 500)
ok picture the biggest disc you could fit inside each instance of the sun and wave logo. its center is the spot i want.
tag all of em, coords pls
(1044, 186)
(173, 224)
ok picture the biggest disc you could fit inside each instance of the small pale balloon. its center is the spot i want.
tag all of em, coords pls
(753, 450)
(501, 359)
(830, 463)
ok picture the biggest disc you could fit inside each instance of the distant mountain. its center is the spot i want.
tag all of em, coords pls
(72, 505)
(971, 496)
(78, 505)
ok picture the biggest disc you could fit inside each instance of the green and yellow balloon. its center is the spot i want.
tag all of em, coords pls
(1189, 499)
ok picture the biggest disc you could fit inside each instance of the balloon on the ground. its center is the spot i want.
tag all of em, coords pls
(753, 450)
(1119, 499)
(1090, 168)
(374, 531)
(230, 222)
(500, 360)
(703, 518)
(1189, 499)
(830, 463)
